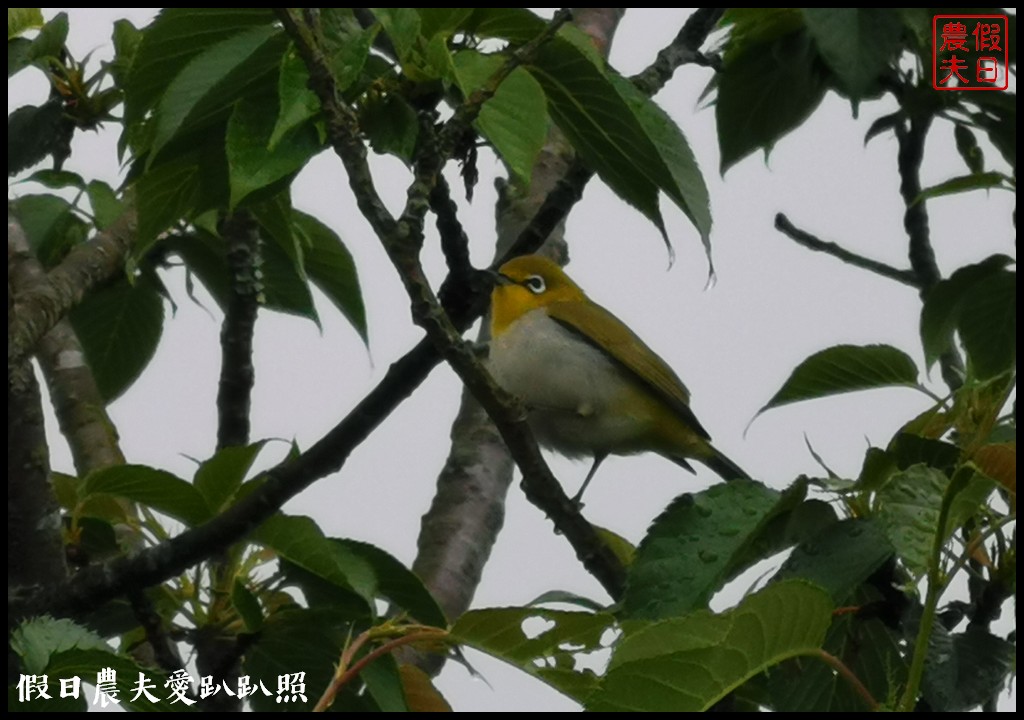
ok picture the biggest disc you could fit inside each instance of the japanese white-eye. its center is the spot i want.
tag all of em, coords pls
(591, 386)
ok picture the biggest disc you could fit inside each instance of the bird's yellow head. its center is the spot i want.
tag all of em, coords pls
(526, 283)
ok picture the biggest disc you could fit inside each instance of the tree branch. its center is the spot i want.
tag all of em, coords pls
(685, 48)
(79, 407)
(97, 584)
(402, 240)
(237, 375)
(35, 553)
(462, 524)
(915, 216)
(911, 141)
(85, 266)
(812, 242)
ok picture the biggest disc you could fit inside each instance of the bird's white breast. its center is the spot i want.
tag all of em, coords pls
(574, 392)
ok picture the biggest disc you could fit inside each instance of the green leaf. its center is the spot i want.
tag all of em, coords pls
(219, 478)
(443, 21)
(878, 467)
(119, 327)
(391, 125)
(988, 325)
(845, 368)
(165, 194)
(622, 548)
(154, 488)
(517, 25)
(972, 671)
(437, 60)
(542, 643)
(384, 684)
(943, 305)
(283, 289)
(171, 42)
(908, 510)
(883, 124)
(688, 551)
(21, 19)
(297, 103)
(565, 597)
(126, 38)
(396, 582)
(247, 605)
(513, 120)
(857, 43)
(331, 267)
(213, 80)
(32, 134)
(56, 179)
(967, 146)
(38, 639)
(764, 92)
(865, 645)
(106, 206)
(911, 449)
(50, 225)
(601, 125)
(52, 37)
(402, 26)
(299, 540)
(294, 641)
(680, 177)
(252, 165)
(17, 55)
(690, 663)
(840, 557)
(966, 183)
(351, 57)
(966, 498)
(998, 118)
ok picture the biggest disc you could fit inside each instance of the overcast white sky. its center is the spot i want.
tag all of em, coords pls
(773, 305)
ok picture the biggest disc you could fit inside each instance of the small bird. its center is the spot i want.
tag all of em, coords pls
(591, 386)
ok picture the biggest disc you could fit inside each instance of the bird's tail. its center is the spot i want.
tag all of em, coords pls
(723, 466)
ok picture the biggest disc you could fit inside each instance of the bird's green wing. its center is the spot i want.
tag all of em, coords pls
(607, 333)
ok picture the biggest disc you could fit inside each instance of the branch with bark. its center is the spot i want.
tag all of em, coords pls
(237, 375)
(85, 267)
(813, 242)
(35, 552)
(462, 524)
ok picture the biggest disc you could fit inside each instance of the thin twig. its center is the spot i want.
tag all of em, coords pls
(346, 673)
(847, 674)
(783, 225)
(454, 241)
(685, 48)
(401, 240)
(97, 584)
(165, 651)
(467, 112)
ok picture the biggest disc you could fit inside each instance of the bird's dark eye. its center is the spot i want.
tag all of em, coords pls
(535, 283)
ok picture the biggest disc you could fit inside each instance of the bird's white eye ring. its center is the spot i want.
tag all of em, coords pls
(535, 284)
